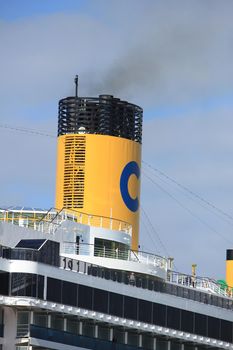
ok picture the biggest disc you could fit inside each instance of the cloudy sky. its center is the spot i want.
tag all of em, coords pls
(173, 58)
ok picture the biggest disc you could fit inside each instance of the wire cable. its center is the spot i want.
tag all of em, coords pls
(155, 232)
(143, 220)
(190, 197)
(200, 198)
(25, 130)
(187, 209)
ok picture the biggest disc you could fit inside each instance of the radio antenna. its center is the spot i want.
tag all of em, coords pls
(76, 85)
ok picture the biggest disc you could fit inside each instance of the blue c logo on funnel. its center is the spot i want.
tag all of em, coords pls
(131, 168)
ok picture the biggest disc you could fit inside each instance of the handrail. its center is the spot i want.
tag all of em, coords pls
(151, 283)
(44, 216)
(62, 215)
(199, 283)
(176, 278)
(120, 254)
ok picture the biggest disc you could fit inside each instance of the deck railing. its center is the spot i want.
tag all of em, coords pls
(201, 283)
(118, 253)
(49, 221)
(148, 282)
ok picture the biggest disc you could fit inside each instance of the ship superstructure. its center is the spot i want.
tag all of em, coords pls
(72, 277)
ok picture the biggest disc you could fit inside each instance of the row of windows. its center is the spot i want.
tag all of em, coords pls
(148, 282)
(27, 284)
(136, 309)
(115, 304)
(145, 282)
(92, 329)
(120, 339)
(48, 253)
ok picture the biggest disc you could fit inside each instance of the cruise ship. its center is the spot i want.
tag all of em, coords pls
(73, 277)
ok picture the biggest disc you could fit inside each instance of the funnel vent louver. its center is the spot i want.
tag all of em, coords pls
(104, 115)
(74, 171)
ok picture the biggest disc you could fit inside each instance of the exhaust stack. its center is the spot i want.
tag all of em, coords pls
(229, 267)
(99, 158)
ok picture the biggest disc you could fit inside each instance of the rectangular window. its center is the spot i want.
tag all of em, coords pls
(1, 316)
(57, 322)
(213, 327)
(187, 321)
(119, 335)
(116, 304)
(145, 311)
(27, 284)
(161, 344)
(226, 331)
(85, 297)
(200, 324)
(72, 325)
(18, 284)
(54, 288)
(159, 315)
(69, 293)
(4, 283)
(40, 319)
(104, 332)
(130, 308)
(88, 329)
(22, 324)
(175, 345)
(1, 322)
(173, 317)
(132, 339)
(40, 287)
(30, 285)
(147, 341)
(100, 301)
(189, 347)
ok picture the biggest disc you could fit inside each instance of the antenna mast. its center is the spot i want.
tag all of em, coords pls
(76, 85)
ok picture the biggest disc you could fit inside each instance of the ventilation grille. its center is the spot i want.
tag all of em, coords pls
(74, 174)
(104, 115)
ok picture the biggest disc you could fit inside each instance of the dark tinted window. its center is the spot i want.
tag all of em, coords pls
(187, 321)
(213, 327)
(200, 324)
(49, 253)
(40, 292)
(159, 315)
(130, 308)
(54, 289)
(226, 331)
(30, 285)
(175, 345)
(173, 317)
(100, 301)
(85, 297)
(115, 304)
(27, 284)
(18, 284)
(145, 311)
(30, 243)
(69, 293)
(4, 283)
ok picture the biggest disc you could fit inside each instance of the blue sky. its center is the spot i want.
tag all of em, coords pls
(13, 10)
(172, 58)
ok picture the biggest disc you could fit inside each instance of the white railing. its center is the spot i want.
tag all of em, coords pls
(121, 254)
(201, 283)
(51, 220)
(148, 259)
